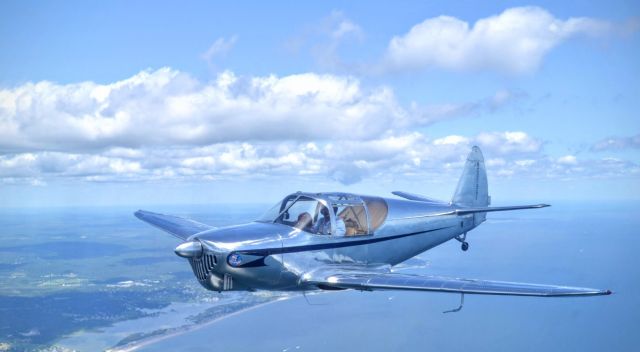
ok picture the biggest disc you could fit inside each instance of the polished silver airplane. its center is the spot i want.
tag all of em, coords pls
(337, 241)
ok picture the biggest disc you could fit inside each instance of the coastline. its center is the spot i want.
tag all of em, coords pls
(135, 345)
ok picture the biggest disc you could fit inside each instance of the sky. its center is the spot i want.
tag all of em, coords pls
(148, 103)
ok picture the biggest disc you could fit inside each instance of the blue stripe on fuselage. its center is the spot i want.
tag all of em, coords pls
(313, 247)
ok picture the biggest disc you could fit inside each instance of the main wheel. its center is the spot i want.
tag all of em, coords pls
(465, 246)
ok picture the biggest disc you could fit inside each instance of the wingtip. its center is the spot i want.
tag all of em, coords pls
(608, 292)
(139, 213)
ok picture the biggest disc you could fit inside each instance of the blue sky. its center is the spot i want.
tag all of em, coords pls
(148, 103)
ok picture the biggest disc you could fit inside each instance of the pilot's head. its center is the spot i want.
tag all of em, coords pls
(325, 212)
(304, 220)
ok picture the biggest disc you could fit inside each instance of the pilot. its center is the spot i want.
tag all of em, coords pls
(304, 222)
(323, 225)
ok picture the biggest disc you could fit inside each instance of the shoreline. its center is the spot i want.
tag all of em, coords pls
(189, 328)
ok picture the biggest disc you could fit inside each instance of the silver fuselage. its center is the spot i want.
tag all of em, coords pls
(273, 256)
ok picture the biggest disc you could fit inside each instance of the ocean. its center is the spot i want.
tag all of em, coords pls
(96, 278)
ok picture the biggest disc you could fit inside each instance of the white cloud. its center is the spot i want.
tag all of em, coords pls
(219, 49)
(170, 108)
(453, 139)
(509, 142)
(167, 107)
(568, 160)
(617, 143)
(326, 37)
(340, 26)
(525, 162)
(514, 41)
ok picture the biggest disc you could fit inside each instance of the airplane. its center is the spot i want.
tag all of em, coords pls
(339, 241)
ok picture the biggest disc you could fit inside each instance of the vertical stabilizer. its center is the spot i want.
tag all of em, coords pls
(473, 190)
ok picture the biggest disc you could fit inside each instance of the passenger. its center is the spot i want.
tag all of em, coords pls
(323, 225)
(304, 222)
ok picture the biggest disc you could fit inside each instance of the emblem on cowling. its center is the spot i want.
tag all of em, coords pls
(234, 259)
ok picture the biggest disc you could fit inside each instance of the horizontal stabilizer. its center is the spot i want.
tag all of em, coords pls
(368, 281)
(419, 198)
(175, 225)
(464, 211)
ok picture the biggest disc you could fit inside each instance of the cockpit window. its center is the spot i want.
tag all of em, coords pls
(377, 209)
(353, 215)
(355, 219)
(296, 211)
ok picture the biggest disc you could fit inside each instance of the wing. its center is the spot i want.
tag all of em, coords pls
(175, 225)
(419, 198)
(368, 281)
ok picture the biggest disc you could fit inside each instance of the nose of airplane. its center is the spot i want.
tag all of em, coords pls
(189, 249)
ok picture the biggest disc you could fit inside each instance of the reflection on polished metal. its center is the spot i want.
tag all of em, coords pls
(339, 241)
(190, 249)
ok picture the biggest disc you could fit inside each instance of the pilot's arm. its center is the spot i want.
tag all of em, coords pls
(318, 226)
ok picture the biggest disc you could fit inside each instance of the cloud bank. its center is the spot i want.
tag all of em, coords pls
(166, 125)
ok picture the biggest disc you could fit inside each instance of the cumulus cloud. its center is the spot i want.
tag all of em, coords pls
(168, 107)
(514, 41)
(617, 143)
(347, 173)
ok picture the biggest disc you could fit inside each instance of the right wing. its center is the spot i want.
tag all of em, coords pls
(179, 227)
(419, 198)
(336, 278)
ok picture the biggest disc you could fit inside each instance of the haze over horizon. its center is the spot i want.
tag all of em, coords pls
(155, 103)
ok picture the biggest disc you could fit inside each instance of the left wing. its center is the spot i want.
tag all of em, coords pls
(178, 227)
(376, 280)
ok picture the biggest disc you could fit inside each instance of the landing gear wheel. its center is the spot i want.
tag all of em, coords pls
(465, 246)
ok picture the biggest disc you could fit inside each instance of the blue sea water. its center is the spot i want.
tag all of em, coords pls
(87, 278)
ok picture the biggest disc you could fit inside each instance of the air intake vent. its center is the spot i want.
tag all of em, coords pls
(202, 266)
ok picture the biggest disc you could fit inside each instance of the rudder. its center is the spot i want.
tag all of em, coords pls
(473, 189)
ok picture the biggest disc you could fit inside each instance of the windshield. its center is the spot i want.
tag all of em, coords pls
(270, 214)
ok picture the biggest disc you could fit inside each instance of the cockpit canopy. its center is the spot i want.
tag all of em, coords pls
(338, 214)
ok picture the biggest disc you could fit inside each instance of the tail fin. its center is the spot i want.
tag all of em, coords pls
(473, 190)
